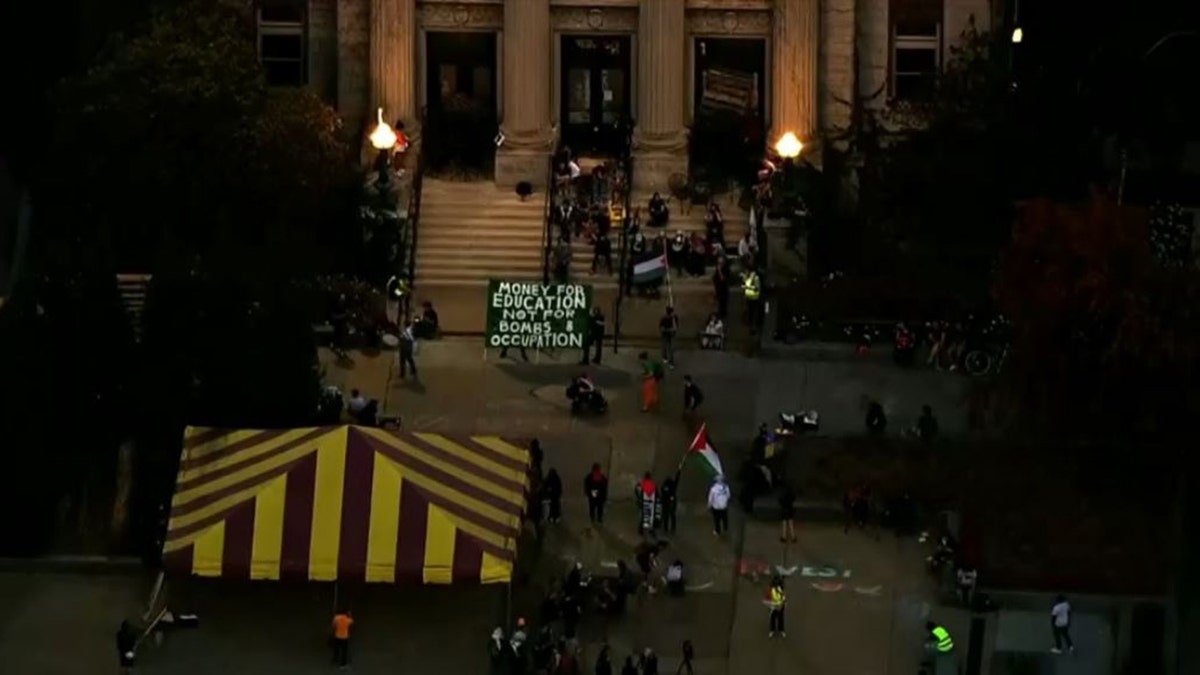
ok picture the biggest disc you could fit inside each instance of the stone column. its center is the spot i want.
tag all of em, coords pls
(660, 141)
(796, 48)
(393, 63)
(528, 137)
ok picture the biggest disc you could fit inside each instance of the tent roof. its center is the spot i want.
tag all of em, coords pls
(346, 503)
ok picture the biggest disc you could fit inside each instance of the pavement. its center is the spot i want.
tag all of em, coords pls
(866, 618)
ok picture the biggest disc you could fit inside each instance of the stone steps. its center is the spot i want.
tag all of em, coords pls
(473, 232)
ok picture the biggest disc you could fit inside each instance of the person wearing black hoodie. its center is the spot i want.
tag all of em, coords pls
(668, 500)
(595, 488)
(126, 646)
(552, 490)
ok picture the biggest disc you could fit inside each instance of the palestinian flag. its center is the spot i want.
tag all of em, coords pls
(703, 451)
(650, 270)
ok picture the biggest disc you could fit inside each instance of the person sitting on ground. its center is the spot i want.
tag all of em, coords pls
(675, 582)
(713, 336)
(659, 212)
(428, 323)
(362, 410)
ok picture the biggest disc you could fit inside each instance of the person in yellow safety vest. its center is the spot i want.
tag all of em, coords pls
(396, 288)
(752, 289)
(939, 638)
(776, 599)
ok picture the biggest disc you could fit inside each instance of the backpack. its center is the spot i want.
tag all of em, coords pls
(657, 371)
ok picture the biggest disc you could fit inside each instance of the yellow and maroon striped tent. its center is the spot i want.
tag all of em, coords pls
(346, 503)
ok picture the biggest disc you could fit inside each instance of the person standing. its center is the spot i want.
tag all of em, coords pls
(127, 639)
(649, 662)
(938, 639)
(692, 395)
(776, 600)
(595, 338)
(668, 499)
(552, 490)
(668, 327)
(408, 350)
(1060, 623)
(497, 651)
(342, 621)
(689, 653)
(967, 577)
(595, 488)
(630, 668)
(720, 281)
(752, 290)
(718, 502)
(787, 514)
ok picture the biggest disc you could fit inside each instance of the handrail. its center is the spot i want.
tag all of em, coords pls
(414, 220)
(547, 218)
(623, 242)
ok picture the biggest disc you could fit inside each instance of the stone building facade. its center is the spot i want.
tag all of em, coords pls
(793, 63)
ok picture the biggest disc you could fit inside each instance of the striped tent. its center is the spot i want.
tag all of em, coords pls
(346, 503)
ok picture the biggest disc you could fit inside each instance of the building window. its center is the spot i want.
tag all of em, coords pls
(916, 58)
(281, 45)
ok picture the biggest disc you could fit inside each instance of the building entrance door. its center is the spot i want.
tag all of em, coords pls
(460, 99)
(595, 112)
(729, 85)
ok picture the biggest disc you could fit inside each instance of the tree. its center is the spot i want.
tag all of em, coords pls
(172, 145)
(1105, 339)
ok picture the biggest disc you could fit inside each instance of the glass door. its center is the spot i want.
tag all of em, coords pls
(595, 93)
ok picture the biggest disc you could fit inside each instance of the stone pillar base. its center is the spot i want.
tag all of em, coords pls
(652, 171)
(514, 166)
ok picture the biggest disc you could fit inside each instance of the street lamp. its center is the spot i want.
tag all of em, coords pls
(383, 139)
(788, 146)
(1017, 35)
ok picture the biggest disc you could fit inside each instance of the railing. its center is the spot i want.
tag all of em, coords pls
(414, 221)
(623, 242)
(548, 219)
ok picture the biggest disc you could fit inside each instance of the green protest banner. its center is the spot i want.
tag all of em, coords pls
(524, 314)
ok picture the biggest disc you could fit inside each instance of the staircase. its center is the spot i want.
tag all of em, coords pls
(473, 232)
(132, 288)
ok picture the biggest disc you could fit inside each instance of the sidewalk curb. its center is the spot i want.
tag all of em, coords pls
(78, 564)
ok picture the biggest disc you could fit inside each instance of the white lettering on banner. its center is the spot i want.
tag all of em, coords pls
(536, 315)
(823, 572)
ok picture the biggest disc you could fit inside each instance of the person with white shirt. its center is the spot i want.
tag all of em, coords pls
(357, 403)
(718, 503)
(408, 350)
(1060, 623)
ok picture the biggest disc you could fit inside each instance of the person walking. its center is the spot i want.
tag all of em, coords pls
(552, 490)
(787, 514)
(604, 664)
(692, 395)
(408, 350)
(689, 653)
(342, 621)
(938, 639)
(127, 639)
(776, 600)
(668, 327)
(1060, 623)
(669, 501)
(595, 488)
(652, 372)
(718, 503)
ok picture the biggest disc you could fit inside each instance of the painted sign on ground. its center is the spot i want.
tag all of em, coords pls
(522, 314)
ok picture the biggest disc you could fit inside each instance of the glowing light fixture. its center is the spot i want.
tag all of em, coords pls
(788, 146)
(1018, 35)
(383, 138)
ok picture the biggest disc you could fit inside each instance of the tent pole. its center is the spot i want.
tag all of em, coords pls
(508, 621)
(335, 597)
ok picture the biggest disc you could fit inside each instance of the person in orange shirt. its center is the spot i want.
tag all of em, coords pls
(341, 638)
